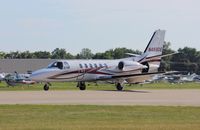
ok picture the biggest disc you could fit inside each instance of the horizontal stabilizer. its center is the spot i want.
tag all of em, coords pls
(131, 54)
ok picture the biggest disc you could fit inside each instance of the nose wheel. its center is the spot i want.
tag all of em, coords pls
(46, 87)
(119, 87)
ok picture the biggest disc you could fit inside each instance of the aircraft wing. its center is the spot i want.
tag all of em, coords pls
(110, 77)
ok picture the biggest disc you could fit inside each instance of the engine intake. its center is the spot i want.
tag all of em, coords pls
(121, 65)
(129, 66)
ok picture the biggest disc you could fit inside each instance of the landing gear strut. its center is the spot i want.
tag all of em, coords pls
(119, 87)
(81, 85)
(46, 87)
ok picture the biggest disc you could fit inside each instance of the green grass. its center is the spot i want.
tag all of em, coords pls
(92, 86)
(83, 117)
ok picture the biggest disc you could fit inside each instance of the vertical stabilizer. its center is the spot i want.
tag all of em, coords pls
(155, 46)
(153, 52)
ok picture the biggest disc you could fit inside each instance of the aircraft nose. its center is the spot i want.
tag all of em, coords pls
(42, 74)
(37, 75)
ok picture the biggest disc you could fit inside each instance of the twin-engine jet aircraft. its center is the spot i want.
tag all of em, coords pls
(136, 67)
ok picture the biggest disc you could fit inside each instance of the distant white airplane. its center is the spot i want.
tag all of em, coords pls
(2, 76)
(16, 79)
(118, 71)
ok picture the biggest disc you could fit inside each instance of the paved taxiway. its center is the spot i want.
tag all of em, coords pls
(137, 97)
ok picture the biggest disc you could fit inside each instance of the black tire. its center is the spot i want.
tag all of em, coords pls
(46, 87)
(82, 86)
(119, 87)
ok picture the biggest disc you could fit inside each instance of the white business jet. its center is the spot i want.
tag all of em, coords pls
(136, 67)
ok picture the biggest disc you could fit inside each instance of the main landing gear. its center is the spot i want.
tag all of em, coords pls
(81, 85)
(119, 86)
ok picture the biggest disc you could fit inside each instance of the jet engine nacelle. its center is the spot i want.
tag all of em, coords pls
(150, 68)
(130, 65)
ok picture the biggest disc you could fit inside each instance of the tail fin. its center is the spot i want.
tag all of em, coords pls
(155, 46)
(153, 52)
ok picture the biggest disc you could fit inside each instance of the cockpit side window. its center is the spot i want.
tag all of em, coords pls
(58, 65)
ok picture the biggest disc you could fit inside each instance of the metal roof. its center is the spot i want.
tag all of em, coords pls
(23, 65)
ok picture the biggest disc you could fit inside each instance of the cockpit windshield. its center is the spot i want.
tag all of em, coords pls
(57, 64)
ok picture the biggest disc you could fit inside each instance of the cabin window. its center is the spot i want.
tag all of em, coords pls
(100, 65)
(91, 66)
(105, 65)
(80, 65)
(95, 65)
(86, 66)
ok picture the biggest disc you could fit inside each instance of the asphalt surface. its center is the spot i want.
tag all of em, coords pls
(138, 97)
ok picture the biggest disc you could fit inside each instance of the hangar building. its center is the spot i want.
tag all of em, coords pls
(23, 65)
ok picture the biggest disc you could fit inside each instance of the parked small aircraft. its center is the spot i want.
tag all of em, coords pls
(133, 69)
(2, 76)
(18, 79)
(183, 78)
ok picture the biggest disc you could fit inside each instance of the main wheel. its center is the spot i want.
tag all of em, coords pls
(119, 87)
(82, 85)
(46, 87)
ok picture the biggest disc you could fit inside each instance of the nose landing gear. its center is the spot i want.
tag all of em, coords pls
(119, 87)
(46, 86)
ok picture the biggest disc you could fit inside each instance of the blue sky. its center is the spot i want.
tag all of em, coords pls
(96, 24)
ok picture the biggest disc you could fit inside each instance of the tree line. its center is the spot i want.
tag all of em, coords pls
(61, 53)
(187, 59)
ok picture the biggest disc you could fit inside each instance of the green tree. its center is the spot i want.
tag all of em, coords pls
(2, 55)
(98, 56)
(189, 54)
(187, 60)
(166, 61)
(116, 53)
(41, 55)
(13, 55)
(61, 54)
(121, 52)
(26, 55)
(86, 54)
(109, 54)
